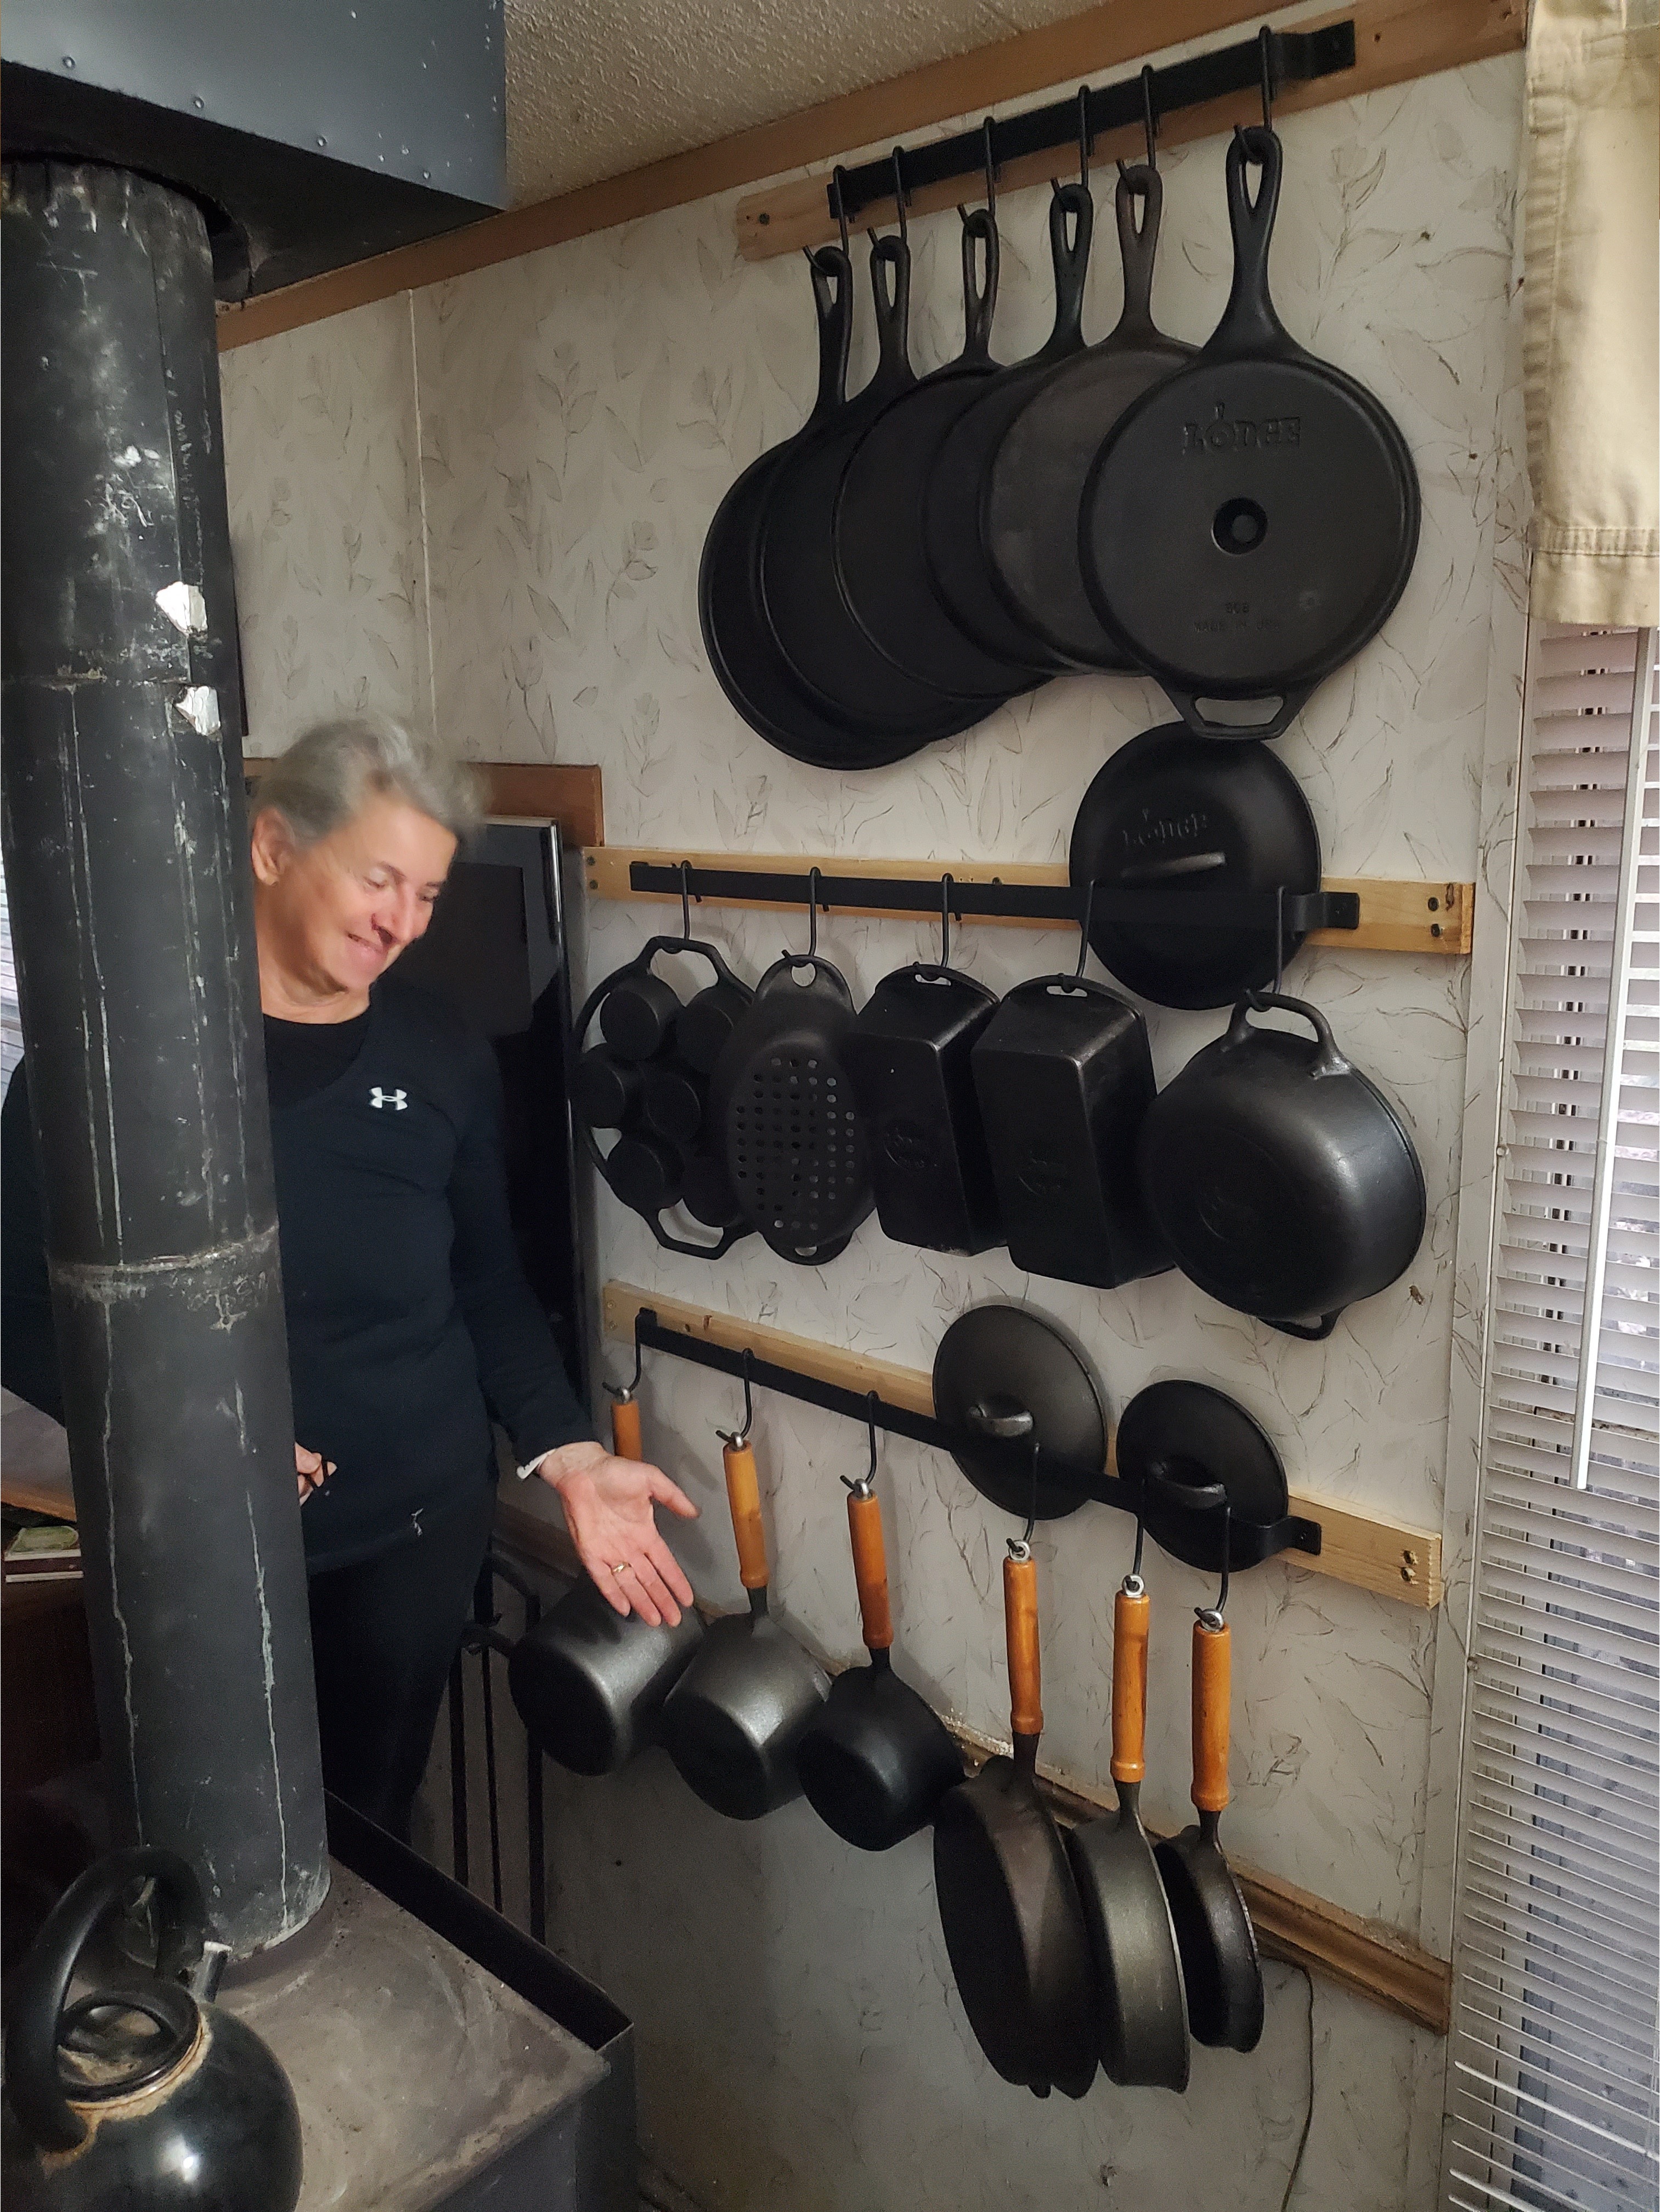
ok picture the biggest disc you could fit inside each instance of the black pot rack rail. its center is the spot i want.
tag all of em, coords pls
(1194, 1520)
(1188, 904)
(1271, 59)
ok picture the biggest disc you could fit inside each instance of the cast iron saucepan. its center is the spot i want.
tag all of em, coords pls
(1213, 1931)
(1008, 1905)
(875, 1759)
(1142, 2015)
(881, 562)
(1170, 821)
(825, 648)
(1029, 502)
(957, 473)
(732, 1721)
(1250, 523)
(588, 1681)
(743, 651)
(1279, 1176)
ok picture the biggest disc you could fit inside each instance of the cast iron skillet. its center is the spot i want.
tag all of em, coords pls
(1285, 497)
(881, 562)
(1008, 1905)
(825, 646)
(1031, 493)
(1279, 1176)
(1213, 1931)
(746, 661)
(956, 559)
(1170, 819)
(875, 1759)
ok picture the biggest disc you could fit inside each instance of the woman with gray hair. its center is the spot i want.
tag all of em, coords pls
(410, 1319)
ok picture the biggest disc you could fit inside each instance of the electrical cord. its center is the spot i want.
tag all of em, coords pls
(1308, 2117)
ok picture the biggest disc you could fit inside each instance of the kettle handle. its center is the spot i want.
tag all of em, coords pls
(34, 2089)
(1327, 1060)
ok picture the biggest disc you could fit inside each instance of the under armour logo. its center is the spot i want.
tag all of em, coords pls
(398, 1099)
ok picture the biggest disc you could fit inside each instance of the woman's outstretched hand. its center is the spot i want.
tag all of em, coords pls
(313, 1470)
(608, 1505)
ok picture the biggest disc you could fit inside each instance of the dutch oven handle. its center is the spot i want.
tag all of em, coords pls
(1309, 1332)
(1328, 1061)
(41, 1987)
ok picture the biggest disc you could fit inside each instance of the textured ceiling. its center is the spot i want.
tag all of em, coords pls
(597, 86)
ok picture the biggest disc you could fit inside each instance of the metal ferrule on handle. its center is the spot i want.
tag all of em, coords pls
(743, 1497)
(1130, 1617)
(1213, 1689)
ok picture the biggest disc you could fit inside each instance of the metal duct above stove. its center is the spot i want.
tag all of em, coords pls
(311, 135)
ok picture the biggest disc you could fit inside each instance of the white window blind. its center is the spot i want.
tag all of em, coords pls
(1553, 2075)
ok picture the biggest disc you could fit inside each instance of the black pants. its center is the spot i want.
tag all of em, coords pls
(384, 1633)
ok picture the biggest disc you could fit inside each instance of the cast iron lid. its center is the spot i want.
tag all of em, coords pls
(1250, 523)
(1174, 813)
(1180, 1436)
(1011, 1376)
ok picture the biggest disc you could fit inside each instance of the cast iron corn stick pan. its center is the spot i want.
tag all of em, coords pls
(957, 470)
(875, 1759)
(1285, 500)
(881, 562)
(1142, 2017)
(588, 1683)
(1008, 1905)
(1030, 494)
(825, 646)
(735, 1718)
(1213, 1929)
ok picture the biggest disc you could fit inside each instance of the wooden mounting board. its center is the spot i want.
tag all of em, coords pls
(1395, 916)
(567, 792)
(1374, 1960)
(1380, 1556)
(1395, 41)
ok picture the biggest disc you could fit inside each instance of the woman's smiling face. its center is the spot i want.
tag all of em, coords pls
(336, 915)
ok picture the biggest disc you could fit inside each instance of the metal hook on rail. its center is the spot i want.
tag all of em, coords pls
(621, 1392)
(685, 901)
(900, 194)
(737, 1439)
(1084, 930)
(838, 187)
(1086, 137)
(1265, 48)
(862, 1487)
(1210, 1616)
(945, 920)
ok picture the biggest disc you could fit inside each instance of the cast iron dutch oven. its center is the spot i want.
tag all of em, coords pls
(1249, 523)
(1280, 1177)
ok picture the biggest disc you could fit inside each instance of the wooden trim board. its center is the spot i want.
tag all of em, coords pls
(1373, 1960)
(1388, 1559)
(1089, 44)
(1395, 916)
(567, 792)
(1395, 41)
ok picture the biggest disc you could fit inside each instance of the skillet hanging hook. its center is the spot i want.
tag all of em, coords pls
(988, 130)
(1259, 1000)
(900, 194)
(945, 920)
(1133, 1583)
(863, 1486)
(737, 1439)
(1149, 112)
(813, 901)
(1266, 49)
(622, 1392)
(685, 901)
(839, 193)
(1210, 1616)
(1084, 930)
(1086, 137)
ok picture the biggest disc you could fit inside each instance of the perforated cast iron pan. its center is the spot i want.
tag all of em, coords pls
(956, 559)
(881, 561)
(1180, 817)
(825, 646)
(1031, 492)
(1250, 523)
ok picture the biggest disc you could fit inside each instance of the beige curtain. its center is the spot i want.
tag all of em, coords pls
(1590, 305)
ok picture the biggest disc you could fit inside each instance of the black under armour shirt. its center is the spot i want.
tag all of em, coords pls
(409, 1321)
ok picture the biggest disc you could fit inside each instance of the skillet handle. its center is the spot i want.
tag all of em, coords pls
(832, 297)
(1213, 1690)
(979, 296)
(1248, 323)
(1072, 264)
(743, 1497)
(870, 1570)
(1291, 703)
(625, 1436)
(1020, 1630)
(1138, 244)
(1129, 1686)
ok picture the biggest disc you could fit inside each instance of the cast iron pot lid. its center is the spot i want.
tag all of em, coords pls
(1014, 1376)
(1170, 811)
(1182, 1435)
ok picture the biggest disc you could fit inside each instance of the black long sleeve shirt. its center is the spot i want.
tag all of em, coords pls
(409, 1321)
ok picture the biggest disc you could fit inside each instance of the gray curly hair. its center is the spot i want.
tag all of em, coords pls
(327, 773)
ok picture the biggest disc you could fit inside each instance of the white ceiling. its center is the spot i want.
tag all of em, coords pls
(597, 86)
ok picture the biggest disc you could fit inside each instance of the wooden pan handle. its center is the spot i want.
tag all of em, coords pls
(744, 1496)
(1129, 1686)
(1020, 1626)
(870, 1569)
(625, 1429)
(1213, 1690)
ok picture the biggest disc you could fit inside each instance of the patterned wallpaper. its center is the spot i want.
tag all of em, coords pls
(485, 502)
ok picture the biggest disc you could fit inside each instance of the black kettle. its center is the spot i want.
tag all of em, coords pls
(145, 2096)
